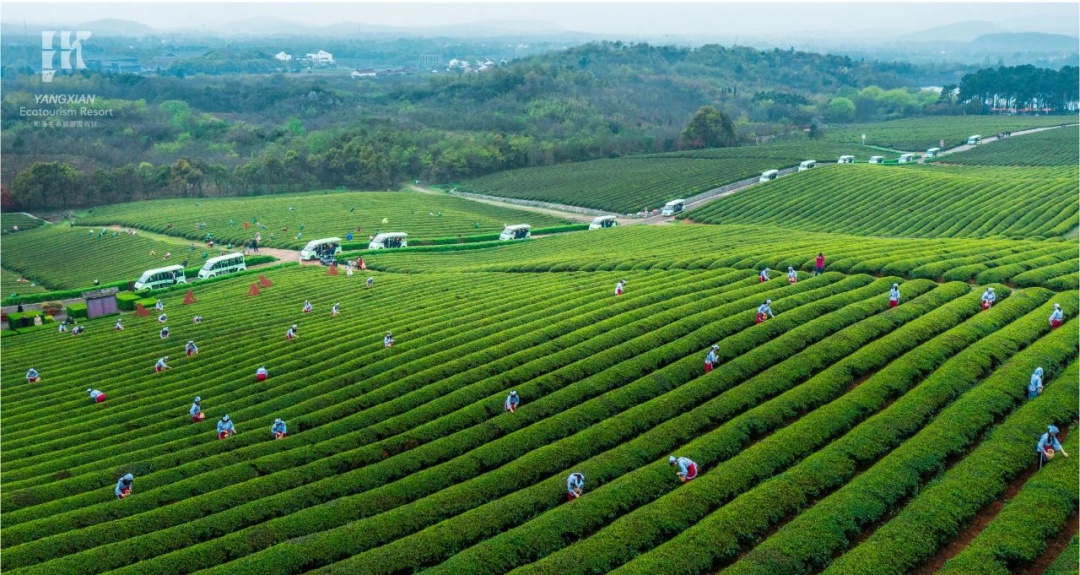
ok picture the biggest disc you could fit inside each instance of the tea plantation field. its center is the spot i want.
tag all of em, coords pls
(631, 184)
(9, 283)
(841, 436)
(9, 220)
(291, 220)
(1051, 264)
(918, 134)
(62, 257)
(839, 419)
(915, 201)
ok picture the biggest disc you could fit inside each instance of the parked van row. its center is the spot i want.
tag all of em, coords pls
(171, 275)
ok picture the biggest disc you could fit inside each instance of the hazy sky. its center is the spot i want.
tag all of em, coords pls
(653, 18)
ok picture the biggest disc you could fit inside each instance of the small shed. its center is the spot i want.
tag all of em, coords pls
(100, 302)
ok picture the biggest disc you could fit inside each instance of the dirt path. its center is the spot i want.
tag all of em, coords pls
(281, 254)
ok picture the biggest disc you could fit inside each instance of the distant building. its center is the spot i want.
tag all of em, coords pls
(282, 57)
(114, 64)
(321, 58)
(166, 59)
(363, 73)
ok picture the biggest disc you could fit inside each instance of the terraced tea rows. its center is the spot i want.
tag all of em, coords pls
(1047, 148)
(912, 202)
(291, 220)
(10, 284)
(918, 134)
(1044, 263)
(61, 257)
(8, 221)
(402, 458)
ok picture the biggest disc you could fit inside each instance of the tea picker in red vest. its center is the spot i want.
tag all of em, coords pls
(160, 365)
(511, 403)
(32, 375)
(894, 295)
(792, 276)
(97, 396)
(196, 410)
(278, 429)
(711, 359)
(687, 469)
(123, 487)
(575, 485)
(261, 374)
(1057, 317)
(988, 298)
(1047, 445)
(225, 427)
(764, 311)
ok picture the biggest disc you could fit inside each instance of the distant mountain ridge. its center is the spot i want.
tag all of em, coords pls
(1027, 42)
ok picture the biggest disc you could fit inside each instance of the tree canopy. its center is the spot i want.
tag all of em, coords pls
(709, 128)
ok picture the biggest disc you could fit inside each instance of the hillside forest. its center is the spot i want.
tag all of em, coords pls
(205, 136)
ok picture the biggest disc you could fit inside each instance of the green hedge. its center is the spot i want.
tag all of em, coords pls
(126, 300)
(23, 319)
(77, 310)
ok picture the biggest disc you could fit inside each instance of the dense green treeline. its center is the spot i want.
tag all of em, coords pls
(205, 136)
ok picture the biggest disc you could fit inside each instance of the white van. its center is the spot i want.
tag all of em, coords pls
(161, 277)
(603, 222)
(318, 249)
(673, 207)
(974, 140)
(221, 265)
(876, 160)
(389, 240)
(803, 166)
(933, 152)
(516, 232)
(906, 158)
(769, 175)
(846, 160)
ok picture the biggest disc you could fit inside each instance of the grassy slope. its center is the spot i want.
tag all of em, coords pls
(323, 214)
